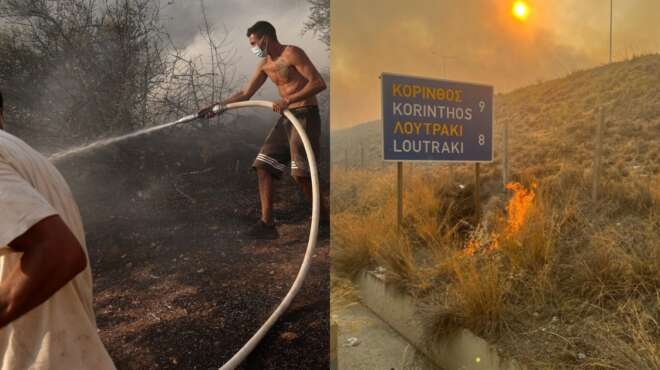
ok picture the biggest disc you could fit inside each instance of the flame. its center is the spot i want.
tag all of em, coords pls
(517, 210)
(518, 206)
(471, 247)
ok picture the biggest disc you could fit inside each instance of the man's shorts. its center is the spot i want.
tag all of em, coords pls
(283, 147)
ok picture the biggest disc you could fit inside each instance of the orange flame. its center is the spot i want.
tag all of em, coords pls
(518, 206)
(471, 247)
(517, 209)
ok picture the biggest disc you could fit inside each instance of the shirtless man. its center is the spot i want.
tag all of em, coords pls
(47, 317)
(298, 82)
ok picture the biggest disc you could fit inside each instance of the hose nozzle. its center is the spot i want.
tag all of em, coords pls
(219, 108)
(212, 111)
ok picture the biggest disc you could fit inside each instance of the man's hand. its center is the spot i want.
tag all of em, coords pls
(208, 111)
(280, 105)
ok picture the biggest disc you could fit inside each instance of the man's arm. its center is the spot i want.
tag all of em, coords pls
(250, 88)
(305, 67)
(245, 93)
(52, 256)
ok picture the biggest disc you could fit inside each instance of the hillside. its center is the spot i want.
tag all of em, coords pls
(554, 122)
(551, 277)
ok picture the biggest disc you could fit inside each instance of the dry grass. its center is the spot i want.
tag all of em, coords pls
(343, 292)
(361, 220)
(476, 298)
(576, 286)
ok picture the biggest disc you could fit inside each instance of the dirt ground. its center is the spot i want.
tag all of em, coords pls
(176, 286)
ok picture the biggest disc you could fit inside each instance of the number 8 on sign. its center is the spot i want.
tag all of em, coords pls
(482, 139)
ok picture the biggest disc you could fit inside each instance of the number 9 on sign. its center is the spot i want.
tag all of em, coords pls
(482, 140)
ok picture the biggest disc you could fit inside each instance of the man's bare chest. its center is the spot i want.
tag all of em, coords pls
(279, 71)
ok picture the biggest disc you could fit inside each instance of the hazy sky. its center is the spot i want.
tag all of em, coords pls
(476, 41)
(183, 19)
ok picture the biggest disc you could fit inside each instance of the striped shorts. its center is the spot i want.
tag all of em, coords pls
(283, 147)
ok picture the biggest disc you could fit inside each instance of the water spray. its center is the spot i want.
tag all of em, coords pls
(251, 344)
(100, 143)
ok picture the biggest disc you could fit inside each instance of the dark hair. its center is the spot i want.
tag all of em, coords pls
(1, 106)
(262, 28)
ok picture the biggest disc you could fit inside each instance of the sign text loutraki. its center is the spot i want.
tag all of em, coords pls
(436, 120)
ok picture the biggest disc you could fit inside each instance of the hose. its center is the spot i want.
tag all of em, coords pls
(251, 344)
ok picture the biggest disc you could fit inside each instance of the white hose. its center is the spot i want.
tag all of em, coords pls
(251, 344)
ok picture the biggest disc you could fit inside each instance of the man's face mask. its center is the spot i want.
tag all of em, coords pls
(259, 52)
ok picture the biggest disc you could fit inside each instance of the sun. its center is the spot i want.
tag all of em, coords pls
(520, 10)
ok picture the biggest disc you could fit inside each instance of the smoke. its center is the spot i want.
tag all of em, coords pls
(475, 40)
(59, 101)
(232, 18)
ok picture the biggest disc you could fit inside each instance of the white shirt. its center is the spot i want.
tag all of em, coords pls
(61, 333)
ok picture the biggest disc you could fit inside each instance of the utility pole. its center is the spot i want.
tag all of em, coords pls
(597, 164)
(611, 30)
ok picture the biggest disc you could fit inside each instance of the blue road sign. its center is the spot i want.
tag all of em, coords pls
(436, 120)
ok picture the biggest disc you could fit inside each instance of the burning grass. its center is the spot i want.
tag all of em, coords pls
(554, 279)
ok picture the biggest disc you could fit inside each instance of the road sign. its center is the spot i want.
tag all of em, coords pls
(436, 120)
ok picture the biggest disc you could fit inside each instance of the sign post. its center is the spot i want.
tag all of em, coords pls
(362, 156)
(477, 198)
(598, 156)
(505, 156)
(399, 195)
(435, 120)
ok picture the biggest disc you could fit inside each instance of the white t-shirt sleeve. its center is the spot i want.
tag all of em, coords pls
(21, 206)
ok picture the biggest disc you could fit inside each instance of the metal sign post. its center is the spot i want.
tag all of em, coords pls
(505, 156)
(477, 198)
(399, 195)
(598, 156)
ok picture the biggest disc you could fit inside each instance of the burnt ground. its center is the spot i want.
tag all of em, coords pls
(175, 285)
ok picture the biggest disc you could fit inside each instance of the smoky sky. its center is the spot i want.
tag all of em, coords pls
(475, 41)
(230, 19)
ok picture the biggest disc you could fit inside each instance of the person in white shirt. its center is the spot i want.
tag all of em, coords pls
(46, 314)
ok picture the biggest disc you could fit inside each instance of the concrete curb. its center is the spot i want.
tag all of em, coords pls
(462, 351)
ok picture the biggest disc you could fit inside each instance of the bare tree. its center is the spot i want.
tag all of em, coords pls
(193, 81)
(319, 20)
(99, 61)
(95, 68)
